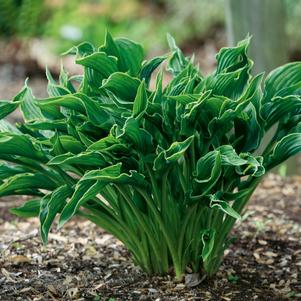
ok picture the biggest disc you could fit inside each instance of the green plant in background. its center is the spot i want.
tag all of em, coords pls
(196, 19)
(68, 22)
(91, 18)
(167, 170)
(21, 17)
(293, 8)
(149, 20)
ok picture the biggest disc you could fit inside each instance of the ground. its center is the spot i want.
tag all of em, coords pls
(81, 262)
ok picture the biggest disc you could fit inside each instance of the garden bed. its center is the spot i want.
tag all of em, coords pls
(82, 262)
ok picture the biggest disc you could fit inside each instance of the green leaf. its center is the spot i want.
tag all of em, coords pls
(208, 171)
(86, 158)
(53, 88)
(65, 81)
(185, 99)
(84, 191)
(288, 146)
(69, 101)
(103, 143)
(83, 104)
(96, 114)
(248, 126)
(283, 81)
(92, 184)
(110, 48)
(66, 143)
(28, 106)
(172, 154)
(14, 144)
(177, 62)
(99, 61)
(149, 67)
(223, 206)
(7, 171)
(130, 56)
(7, 107)
(112, 174)
(7, 127)
(50, 205)
(230, 157)
(208, 239)
(122, 85)
(53, 125)
(29, 209)
(230, 59)
(138, 137)
(24, 182)
(230, 84)
(278, 108)
(84, 48)
(254, 166)
(87, 188)
(140, 102)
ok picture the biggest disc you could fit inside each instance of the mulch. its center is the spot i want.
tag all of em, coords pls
(82, 262)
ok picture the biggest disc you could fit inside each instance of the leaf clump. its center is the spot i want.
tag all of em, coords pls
(167, 168)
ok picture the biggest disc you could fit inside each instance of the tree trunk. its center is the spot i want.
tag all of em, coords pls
(264, 20)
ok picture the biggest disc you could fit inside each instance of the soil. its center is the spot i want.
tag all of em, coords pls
(82, 262)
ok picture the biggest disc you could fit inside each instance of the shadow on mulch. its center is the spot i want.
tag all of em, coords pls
(82, 262)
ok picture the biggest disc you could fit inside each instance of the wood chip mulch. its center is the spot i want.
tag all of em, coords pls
(81, 262)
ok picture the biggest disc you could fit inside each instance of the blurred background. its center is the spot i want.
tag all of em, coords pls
(33, 33)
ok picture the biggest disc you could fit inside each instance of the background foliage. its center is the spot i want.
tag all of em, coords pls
(22, 17)
(67, 22)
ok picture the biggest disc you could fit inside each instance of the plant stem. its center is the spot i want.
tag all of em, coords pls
(170, 243)
(227, 227)
(145, 226)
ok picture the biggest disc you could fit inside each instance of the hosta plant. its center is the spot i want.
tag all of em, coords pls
(166, 166)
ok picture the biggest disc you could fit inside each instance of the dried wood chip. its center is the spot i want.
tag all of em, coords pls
(72, 292)
(18, 259)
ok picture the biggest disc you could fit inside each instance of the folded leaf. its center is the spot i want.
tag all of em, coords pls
(99, 61)
(122, 85)
(130, 56)
(138, 137)
(254, 166)
(208, 170)
(149, 67)
(208, 237)
(50, 205)
(177, 62)
(288, 146)
(279, 108)
(28, 106)
(7, 107)
(172, 154)
(7, 127)
(232, 58)
(25, 182)
(84, 191)
(280, 81)
(140, 102)
(86, 158)
(7, 171)
(29, 209)
(15, 144)
(223, 206)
